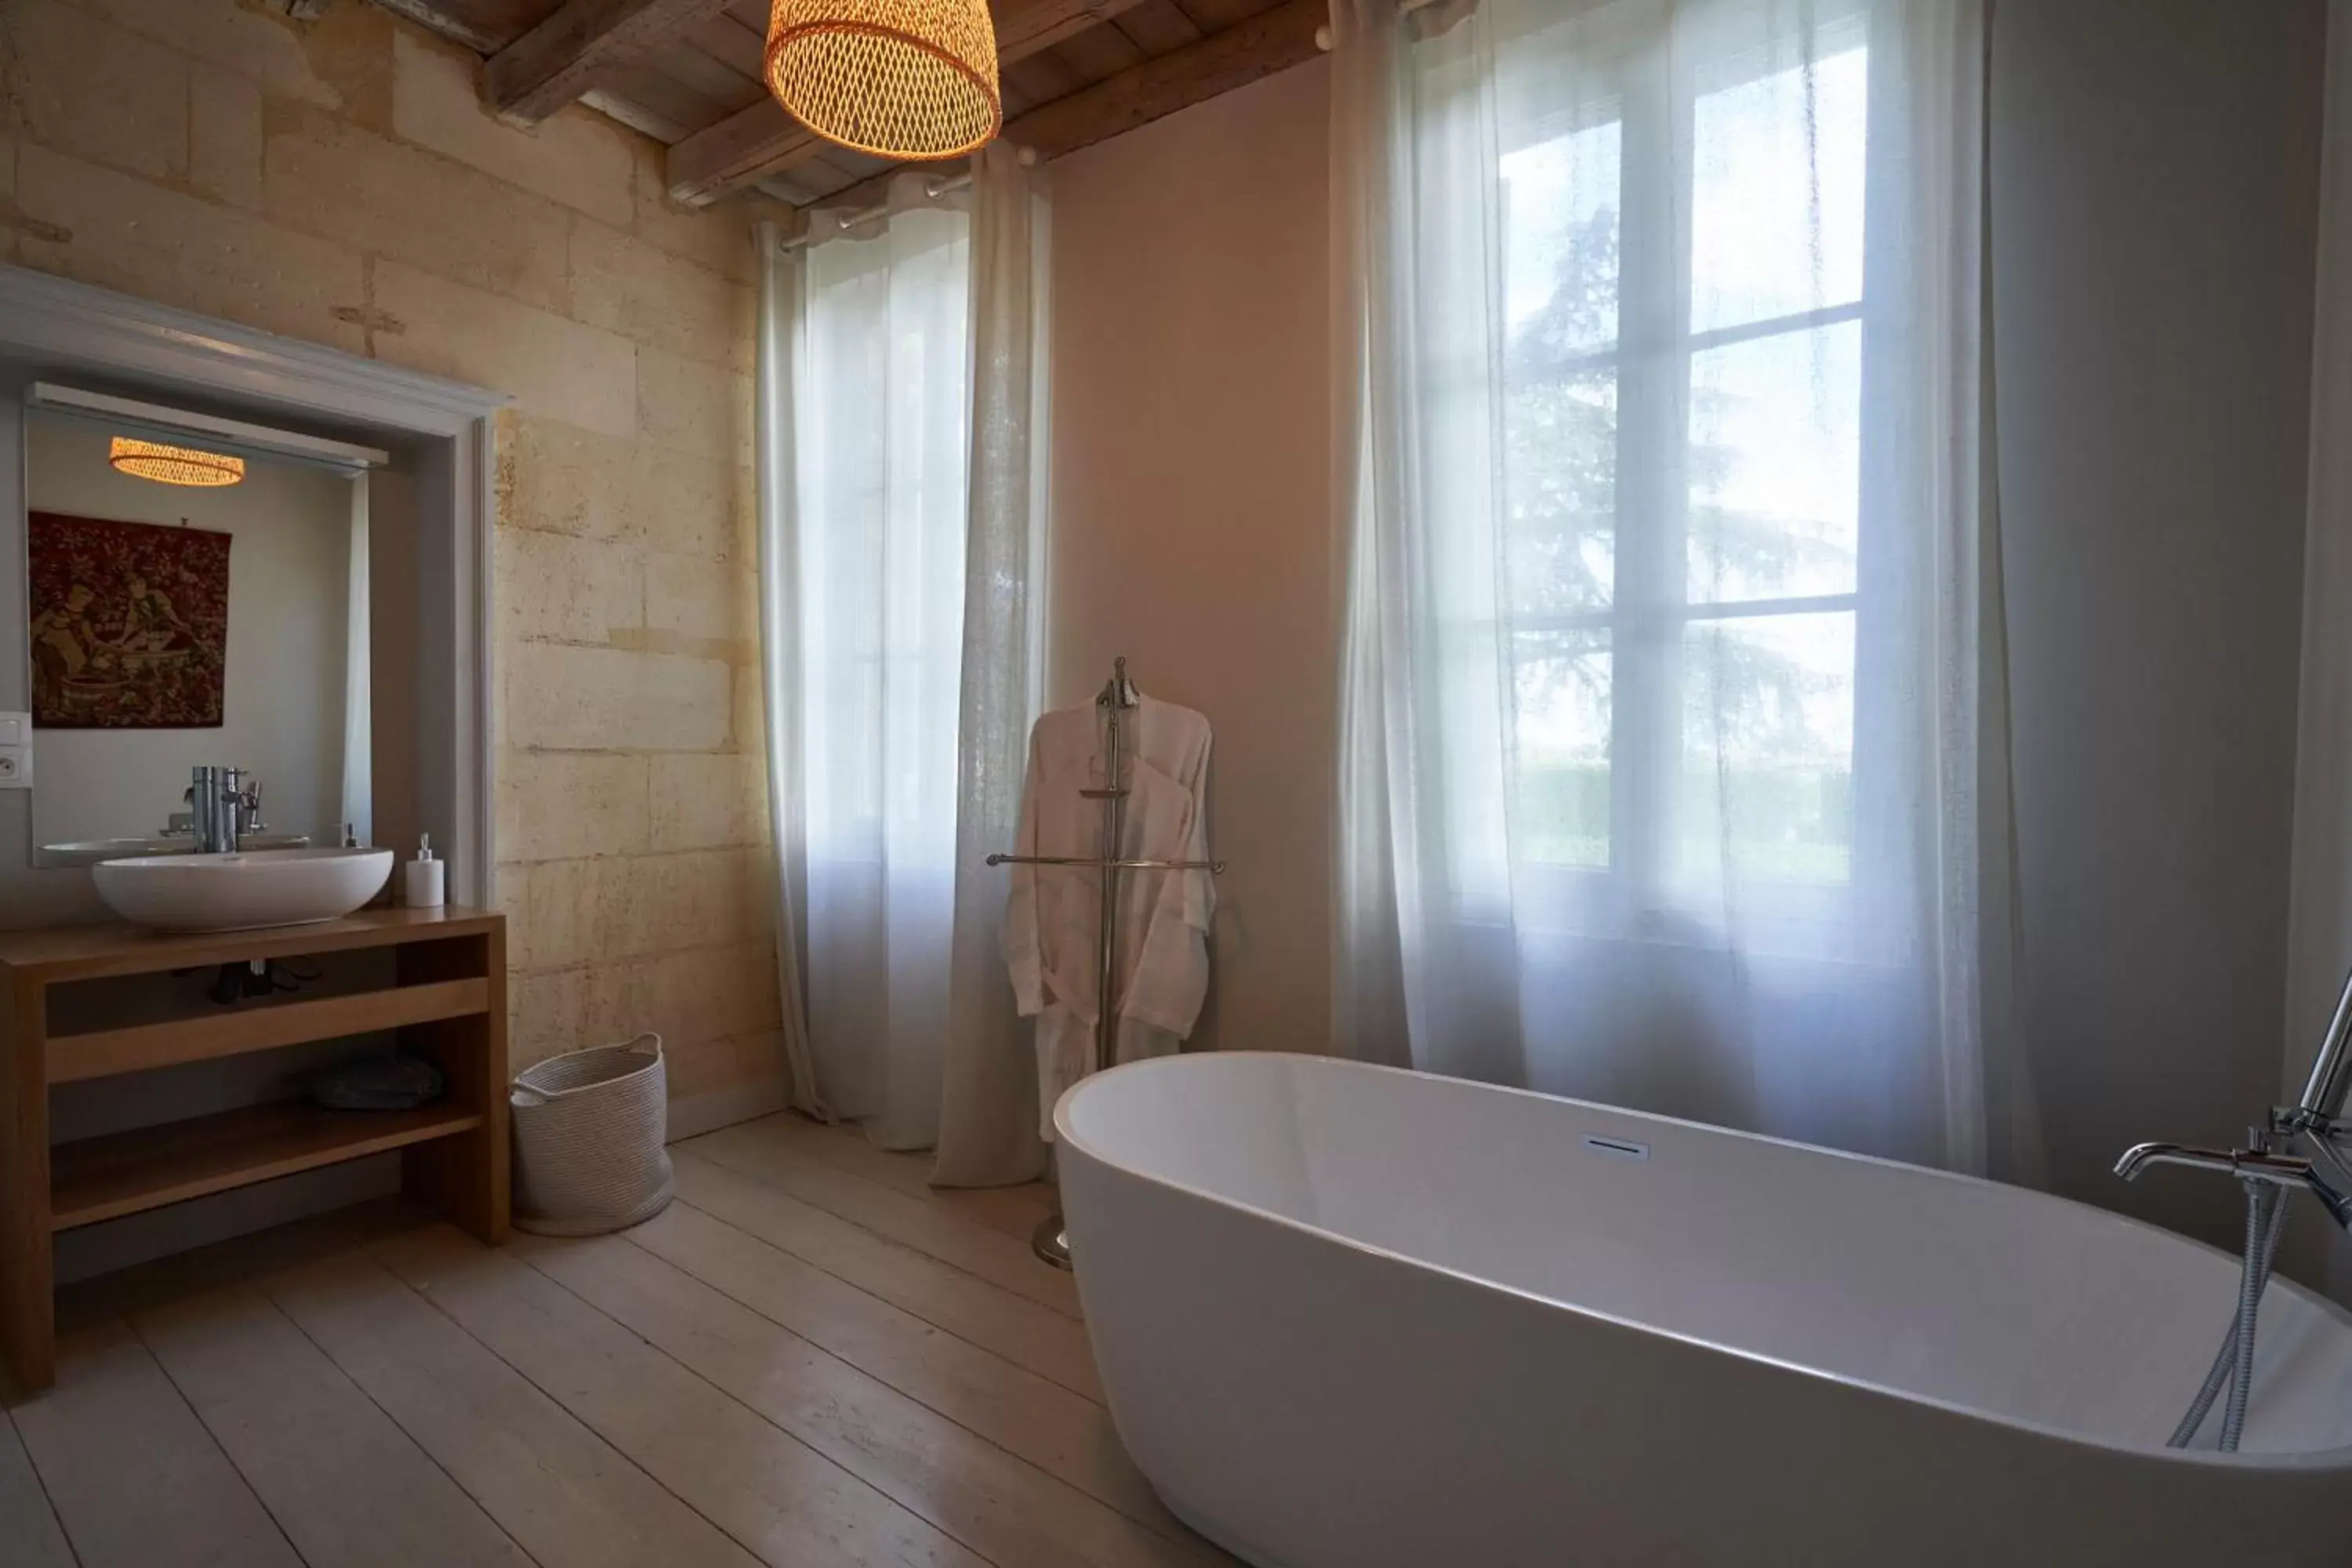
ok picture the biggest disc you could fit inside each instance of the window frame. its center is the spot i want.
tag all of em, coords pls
(1654, 87)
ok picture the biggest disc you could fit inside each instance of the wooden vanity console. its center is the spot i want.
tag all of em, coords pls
(447, 1001)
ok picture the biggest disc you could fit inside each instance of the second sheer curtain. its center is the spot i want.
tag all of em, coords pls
(1674, 766)
(903, 533)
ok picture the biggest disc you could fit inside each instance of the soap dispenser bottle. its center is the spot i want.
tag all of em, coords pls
(425, 876)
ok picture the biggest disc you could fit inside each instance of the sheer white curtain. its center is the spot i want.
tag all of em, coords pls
(902, 535)
(882, 398)
(987, 1132)
(1674, 769)
(781, 332)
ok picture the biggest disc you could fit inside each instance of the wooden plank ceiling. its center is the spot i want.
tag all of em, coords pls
(687, 73)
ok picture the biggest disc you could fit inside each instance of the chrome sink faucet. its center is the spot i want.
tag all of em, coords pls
(248, 809)
(2318, 1116)
(224, 805)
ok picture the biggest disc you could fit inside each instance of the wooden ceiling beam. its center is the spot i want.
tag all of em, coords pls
(1261, 45)
(482, 33)
(763, 140)
(1023, 27)
(568, 54)
(744, 147)
(1269, 42)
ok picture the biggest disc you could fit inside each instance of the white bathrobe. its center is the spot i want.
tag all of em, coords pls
(1160, 972)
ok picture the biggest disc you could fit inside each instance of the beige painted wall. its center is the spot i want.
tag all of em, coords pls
(338, 181)
(1192, 509)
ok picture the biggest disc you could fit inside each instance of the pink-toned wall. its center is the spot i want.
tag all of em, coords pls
(1192, 498)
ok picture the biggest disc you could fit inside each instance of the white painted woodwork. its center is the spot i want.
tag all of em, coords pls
(67, 330)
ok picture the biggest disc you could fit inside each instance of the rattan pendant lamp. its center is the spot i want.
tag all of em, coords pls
(898, 79)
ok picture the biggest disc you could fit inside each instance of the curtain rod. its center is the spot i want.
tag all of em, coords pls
(1455, 11)
(842, 220)
(829, 223)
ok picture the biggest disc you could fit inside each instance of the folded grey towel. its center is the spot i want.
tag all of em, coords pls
(377, 1083)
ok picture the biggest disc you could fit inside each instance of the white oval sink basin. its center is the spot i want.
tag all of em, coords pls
(90, 851)
(241, 892)
(93, 850)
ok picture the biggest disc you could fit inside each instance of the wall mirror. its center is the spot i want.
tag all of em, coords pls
(200, 592)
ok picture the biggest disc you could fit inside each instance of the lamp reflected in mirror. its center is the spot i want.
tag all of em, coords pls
(168, 465)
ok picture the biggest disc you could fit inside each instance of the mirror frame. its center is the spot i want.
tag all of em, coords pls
(55, 330)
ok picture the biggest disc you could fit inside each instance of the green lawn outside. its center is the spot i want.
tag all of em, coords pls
(1791, 823)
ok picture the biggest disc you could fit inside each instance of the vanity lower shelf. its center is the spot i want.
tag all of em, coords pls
(95, 1179)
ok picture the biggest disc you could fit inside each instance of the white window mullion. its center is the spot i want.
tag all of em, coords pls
(1645, 739)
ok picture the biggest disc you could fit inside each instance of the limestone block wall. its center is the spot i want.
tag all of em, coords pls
(338, 181)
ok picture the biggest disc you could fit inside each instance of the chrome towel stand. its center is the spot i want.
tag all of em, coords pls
(1051, 1240)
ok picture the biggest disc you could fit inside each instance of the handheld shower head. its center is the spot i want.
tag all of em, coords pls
(2331, 1073)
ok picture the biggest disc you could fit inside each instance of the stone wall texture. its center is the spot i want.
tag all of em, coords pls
(338, 181)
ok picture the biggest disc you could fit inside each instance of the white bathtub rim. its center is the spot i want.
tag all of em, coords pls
(2337, 1458)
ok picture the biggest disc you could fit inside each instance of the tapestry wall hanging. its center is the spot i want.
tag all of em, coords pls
(129, 624)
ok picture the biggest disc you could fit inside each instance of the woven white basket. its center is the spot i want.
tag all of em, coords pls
(589, 1130)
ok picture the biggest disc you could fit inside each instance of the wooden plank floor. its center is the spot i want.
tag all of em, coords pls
(811, 1359)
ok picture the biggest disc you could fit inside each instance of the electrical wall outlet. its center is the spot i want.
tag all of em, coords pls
(16, 751)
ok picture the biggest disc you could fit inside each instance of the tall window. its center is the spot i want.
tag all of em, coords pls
(883, 441)
(1681, 331)
(881, 398)
(902, 448)
(1661, 771)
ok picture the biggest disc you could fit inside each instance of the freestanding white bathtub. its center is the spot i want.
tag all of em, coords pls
(1349, 1317)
